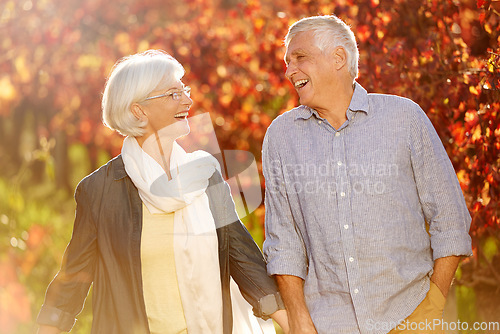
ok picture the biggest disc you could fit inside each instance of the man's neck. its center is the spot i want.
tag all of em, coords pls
(336, 113)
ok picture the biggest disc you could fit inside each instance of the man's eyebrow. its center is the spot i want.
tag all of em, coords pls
(295, 52)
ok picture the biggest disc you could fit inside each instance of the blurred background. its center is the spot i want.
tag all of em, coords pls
(55, 56)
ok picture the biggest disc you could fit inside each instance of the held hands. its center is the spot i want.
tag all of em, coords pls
(302, 326)
(293, 327)
(281, 319)
(292, 291)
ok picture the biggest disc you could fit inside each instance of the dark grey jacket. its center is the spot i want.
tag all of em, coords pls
(105, 250)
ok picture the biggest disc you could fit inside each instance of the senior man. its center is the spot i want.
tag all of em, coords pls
(365, 218)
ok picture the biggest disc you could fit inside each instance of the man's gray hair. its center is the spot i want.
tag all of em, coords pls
(132, 79)
(329, 32)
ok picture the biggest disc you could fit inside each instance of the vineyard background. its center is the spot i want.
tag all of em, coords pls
(55, 56)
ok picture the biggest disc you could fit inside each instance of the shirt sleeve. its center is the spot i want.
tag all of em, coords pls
(438, 189)
(284, 247)
(68, 290)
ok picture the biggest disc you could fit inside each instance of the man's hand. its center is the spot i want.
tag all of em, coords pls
(292, 292)
(444, 271)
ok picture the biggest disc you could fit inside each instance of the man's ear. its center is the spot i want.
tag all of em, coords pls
(137, 111)
(339, 57)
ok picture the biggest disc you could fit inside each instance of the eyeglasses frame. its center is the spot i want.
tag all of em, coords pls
(186, 90)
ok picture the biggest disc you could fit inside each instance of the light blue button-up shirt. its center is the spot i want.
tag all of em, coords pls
(346, 210)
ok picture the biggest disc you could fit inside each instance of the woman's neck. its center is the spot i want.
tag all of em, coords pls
(159, 147)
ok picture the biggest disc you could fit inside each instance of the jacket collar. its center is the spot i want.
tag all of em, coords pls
(117, 168)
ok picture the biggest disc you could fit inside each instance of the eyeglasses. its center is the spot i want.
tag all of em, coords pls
(176, 94)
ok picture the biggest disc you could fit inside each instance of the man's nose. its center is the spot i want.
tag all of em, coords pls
(291, 69)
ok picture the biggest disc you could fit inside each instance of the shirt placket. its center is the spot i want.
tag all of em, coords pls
(347, 235)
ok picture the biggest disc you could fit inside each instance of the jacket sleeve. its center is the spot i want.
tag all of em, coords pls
(68, 290)
(246, 262)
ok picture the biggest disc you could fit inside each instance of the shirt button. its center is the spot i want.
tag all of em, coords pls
(342, 194)
(337, 134)
(356, 290)
(351, 259)
(346, 227)
(339, 163)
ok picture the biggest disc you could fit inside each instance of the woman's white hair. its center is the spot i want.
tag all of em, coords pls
(329, 32)
(132, 79)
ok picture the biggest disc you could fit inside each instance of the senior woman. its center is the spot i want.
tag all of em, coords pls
(156, 231)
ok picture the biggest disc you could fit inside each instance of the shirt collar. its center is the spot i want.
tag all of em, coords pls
(304, 112)
(359, 102)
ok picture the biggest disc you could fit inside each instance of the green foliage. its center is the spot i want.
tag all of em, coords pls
(33, 233)
(79, 158)
(466, 301)
(35, 227)
(254, 226)
(490, 248)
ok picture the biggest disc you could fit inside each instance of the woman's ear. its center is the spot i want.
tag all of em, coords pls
(339, 57)
(138, 111)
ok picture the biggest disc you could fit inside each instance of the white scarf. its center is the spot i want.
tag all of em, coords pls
(195, 238)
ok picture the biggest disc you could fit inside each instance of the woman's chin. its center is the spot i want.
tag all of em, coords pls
(186, 131)
(172, 131)
(179, 129)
